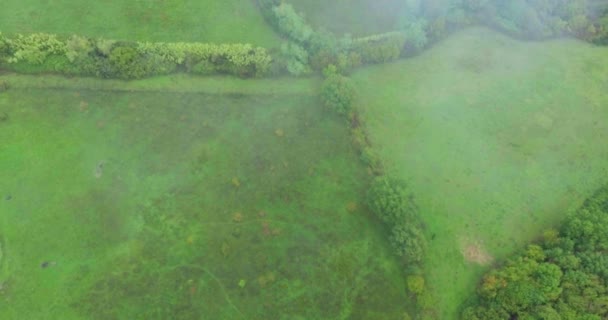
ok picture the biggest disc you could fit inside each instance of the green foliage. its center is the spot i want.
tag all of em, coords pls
(4, 47)
(409, 242)
(127, 63)
(415, 34)
(104, 46)
(292, 24)
(390, 200)
(295, 58)
(565, 277)
(34, 48)
(129, 60)
(379, 48)
(415, 284)
(338, 92)
(78, 48)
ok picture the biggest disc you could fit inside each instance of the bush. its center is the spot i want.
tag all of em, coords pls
(78, 48)
(291, 24)
(415, 284)
(4, 47)
(390, 200)
(126, 63)
(129, 60)
(295, 58)
(408, 241)
(337, 92)
(34, 48)
(379, 48)
(415, 35)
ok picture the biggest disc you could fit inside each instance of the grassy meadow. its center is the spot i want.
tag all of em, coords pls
(498, 138)
(356, 17)
(143, 205)
(228, 21)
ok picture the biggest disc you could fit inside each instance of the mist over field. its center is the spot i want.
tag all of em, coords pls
(304, 159)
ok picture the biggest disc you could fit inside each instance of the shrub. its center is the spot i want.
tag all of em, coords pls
(371, 158)
(4, 47)
(415, 284)
(104, 47)
(415, 34)
(379, 48)
(34, 48)
(126, 63)
(337, 92)
(295, 58)
(129, 60)
(78, 48)
(390, 200)
(292, 24)
(408, 241)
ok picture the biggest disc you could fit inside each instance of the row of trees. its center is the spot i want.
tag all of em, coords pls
(423, 22)
(388, 196)
(533, 19)
(311, 49)
(564, 276)
(76, 55)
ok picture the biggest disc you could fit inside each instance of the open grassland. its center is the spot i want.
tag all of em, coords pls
(498, 138)
(228, 21)
(356, 17)
(119, 205)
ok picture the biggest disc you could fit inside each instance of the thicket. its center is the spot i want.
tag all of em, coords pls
(564, 276)
(392, 202)
(76, 55)
(337, 91)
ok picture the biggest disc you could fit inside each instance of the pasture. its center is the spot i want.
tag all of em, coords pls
(498, 138)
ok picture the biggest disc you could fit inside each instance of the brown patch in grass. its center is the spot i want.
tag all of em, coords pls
(473, 251)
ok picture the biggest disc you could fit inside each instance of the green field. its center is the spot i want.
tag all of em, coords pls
(151, 20)
(498, 138)
(126, 205)
(356, 17)
(216, 197)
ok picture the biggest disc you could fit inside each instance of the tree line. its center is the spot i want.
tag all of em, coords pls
(562, 277)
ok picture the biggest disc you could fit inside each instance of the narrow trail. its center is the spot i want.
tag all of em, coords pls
(178, 83)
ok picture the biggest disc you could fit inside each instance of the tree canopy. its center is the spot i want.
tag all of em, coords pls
(565, 276)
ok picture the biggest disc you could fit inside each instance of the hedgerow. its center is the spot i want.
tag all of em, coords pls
(41, 52)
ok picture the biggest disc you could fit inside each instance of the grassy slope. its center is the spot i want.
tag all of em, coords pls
(156, 236)
(499, 139)
(153, 20)
(357, 17)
